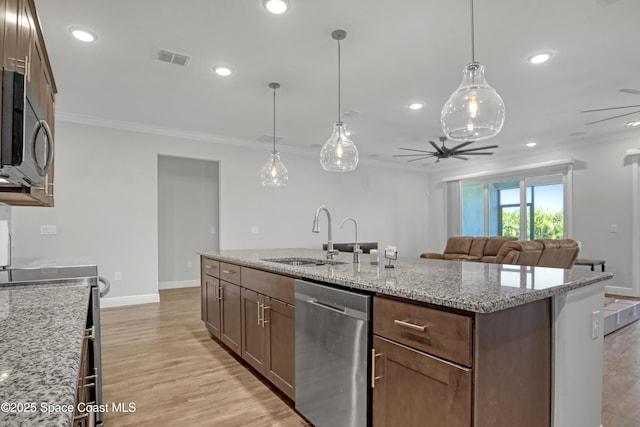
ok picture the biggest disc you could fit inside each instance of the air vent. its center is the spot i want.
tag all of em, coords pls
(173, 57)
(269, 138)
(351, 113)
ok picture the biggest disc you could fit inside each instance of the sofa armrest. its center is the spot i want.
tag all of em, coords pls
(432, 255)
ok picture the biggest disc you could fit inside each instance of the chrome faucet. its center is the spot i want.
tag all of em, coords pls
(330, 251)
(356, 248)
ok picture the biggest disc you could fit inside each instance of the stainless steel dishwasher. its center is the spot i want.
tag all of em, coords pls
(333, 342)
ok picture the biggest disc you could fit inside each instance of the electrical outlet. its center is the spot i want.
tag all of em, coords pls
(189, 264)
(117, 275)
(613, 228)
(212, 229)
(255, 229)
(595, 325)
(48, 230)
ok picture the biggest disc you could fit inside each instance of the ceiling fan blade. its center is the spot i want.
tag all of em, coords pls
(412, 155)
(459, 157)
(475, 154)
(610, 108)
(421, 158)
(464, 144)
(614, 117)
(487, 147)
(631, 91)
(438, 149)
(413, 149)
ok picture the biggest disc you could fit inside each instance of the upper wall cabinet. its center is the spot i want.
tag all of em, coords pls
(23, 50)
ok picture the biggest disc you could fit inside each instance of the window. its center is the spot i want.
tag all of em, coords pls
(529, 208)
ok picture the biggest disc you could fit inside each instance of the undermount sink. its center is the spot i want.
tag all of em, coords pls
(304, 261)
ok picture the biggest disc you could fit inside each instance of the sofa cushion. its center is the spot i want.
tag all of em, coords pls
(526, 252)
(461, 257)
(458, 245)
(494, 244)
(558, 253)
(477, 247)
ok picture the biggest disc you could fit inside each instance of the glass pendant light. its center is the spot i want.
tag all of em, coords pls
(273, 173)
(474, 111)
(339, 153)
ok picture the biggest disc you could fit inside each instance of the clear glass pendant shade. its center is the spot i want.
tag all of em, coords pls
(474, 111)
(274, 173)
(339, 153)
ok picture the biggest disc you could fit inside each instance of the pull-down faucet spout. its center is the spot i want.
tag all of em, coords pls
(316, 229)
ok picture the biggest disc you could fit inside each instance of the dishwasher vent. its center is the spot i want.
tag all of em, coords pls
(165, 55)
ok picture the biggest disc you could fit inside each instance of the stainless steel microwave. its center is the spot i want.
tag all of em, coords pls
(26, 144)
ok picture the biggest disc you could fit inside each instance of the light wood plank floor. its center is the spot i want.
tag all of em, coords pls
(161, 357)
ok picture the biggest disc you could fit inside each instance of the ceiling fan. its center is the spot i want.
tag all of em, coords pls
(630, 91)
(444, 152)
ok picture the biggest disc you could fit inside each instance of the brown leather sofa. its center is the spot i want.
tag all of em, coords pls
(542, 252)
(479, 249)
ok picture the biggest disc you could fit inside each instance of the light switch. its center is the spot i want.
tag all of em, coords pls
(48, 230)
(255, 229)
(117, 275)
(613, 228)
(212, 229)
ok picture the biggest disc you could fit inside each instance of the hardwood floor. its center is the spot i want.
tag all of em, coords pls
(161, 357)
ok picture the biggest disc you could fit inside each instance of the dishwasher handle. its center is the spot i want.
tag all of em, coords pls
(327, 306)
(344, 311)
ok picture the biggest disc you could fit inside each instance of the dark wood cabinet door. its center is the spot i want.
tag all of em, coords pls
(415, 389)
(231, 331)
(280, 357)
(253, 332)
(211, 310)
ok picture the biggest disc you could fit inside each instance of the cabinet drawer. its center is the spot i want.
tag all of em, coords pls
(270, 284)
(230, 272)
(210, 267)
(441, 333)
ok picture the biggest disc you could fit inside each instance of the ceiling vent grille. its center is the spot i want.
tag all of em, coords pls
(173, 57)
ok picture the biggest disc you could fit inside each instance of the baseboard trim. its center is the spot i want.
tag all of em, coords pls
(618, 290)
(130, 300)
(179, 284)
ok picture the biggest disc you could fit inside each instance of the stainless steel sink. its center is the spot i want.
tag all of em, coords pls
(307, 262)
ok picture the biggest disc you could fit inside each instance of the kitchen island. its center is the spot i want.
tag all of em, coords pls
(42, 329)
(523, 345)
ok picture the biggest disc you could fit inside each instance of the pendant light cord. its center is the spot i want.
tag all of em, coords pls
(473, 46)
(339, 115)
(274, 119)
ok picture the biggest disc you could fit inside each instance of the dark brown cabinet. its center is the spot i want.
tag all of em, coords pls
(413, 388)
(23, 50)
(252, 312)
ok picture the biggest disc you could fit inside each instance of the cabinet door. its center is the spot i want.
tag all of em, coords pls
(10, 34)
(230, 329)
(412, 388)
(253, 332)
(280, 357)
(211, 310)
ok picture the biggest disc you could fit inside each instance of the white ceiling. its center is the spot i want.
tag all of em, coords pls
(395, 52)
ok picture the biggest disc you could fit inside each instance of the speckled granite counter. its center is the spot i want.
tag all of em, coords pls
(471, 286)
(41, 333)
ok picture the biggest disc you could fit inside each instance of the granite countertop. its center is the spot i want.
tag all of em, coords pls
(41, 334)
(471, 286)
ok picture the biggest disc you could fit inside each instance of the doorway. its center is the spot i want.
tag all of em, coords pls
(188, 218)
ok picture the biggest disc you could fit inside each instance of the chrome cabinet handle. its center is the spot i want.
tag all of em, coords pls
(410, 325)
(107, 286)
(228, 272)
(264, 307)
(373, 367)
(207, 266)
(259, 309)
(219, 292)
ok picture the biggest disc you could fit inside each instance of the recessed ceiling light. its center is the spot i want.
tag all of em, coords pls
(531, 144)
(83, 34)
(634, 123)
(222, 71)
(276, 6)
(539, 58)
(416, 105)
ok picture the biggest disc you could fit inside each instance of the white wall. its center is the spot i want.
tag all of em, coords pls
(187, 218)
(602, 192)
(107, 205)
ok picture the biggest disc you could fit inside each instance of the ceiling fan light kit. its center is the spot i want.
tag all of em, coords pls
(475, 110)
(339, 153)
(274, 173)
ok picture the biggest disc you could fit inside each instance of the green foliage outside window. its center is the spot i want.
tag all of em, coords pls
(547, 225)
